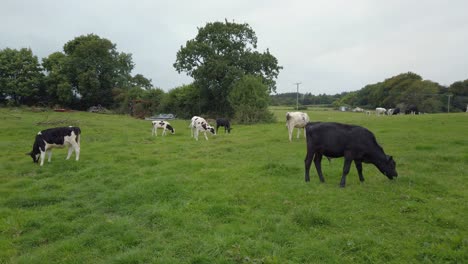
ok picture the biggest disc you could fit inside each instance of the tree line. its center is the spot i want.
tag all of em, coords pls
(231, 77)
(398, 91)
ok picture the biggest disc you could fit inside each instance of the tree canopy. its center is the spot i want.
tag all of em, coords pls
(20, 76)
(219, 56)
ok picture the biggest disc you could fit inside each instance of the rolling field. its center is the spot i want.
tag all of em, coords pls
(238, 198)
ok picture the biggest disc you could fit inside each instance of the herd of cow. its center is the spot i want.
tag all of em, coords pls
(329, 139)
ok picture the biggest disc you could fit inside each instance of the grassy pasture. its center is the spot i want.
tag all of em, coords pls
(238, 198)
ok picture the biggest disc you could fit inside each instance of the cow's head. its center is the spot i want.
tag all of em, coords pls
(35, 156)
(389, 168)
(211, 129)
(170, 128)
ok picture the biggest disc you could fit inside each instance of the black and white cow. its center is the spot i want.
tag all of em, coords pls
(199, 124)
(58, 137)
(161, 124)
(354, 143)
(396, 111)
(224, 123)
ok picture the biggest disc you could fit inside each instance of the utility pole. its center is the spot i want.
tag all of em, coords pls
(297, 95)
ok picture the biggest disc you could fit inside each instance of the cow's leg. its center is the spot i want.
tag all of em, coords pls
(42, 157)
(164, 132)
(217, 126)
(298, 132)
(49, 154)
(318, 166)
(307, 162)
(76, 148)
(195, 134)
(347, 165)
(358, 164)
(204, 132)
(290, 131)
(70, 151)
(152, 131)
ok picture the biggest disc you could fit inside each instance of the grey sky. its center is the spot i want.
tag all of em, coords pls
(330, 46)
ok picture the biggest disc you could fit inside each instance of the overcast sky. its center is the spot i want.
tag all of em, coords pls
(329, 46)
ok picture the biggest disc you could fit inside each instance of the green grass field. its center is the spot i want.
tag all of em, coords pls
(238, 198)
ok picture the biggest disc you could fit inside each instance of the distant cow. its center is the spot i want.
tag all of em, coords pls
(412, 110)
(390, 111)
(354, 143)
(199, 124)
(161, 124)
(396, 111)
(296, 120)
(358, 109)
(58, 137)
(380, 110)
(224, 123)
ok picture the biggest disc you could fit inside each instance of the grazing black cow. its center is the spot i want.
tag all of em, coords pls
(58, 137)
(224, 123)
(412, 109)
(396, 111)
(334, 140)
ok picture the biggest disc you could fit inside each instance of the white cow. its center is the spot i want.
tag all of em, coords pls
(296, 120)
(390, 111)
(380, 110)
(161, 124)
(358, 109)
(199, 124)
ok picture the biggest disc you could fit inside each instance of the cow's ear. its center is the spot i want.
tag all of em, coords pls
(390, 158)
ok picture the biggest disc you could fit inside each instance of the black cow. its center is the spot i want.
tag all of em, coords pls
(334, 140)
(412, 109)
(58, 137)
(224, 123)
(396, 111)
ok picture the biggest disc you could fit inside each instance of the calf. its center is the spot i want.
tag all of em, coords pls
(224, 123)
(58, 137)
(199, 124)
(296, 120)
(354, 143)
(164, 125)
(380, 110)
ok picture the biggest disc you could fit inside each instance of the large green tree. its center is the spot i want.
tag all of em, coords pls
(219, 56)
(58, 87)
(250, 98)
(20, 76)
(94, 68)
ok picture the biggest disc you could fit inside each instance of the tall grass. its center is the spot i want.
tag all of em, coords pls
(238, 198)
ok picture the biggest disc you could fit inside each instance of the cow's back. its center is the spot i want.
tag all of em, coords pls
(333, 139)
